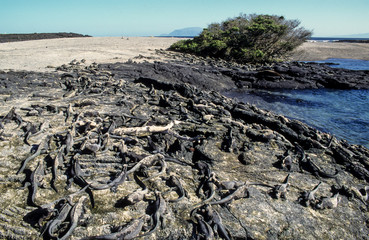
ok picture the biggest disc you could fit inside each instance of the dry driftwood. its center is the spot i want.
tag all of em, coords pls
(146, 129)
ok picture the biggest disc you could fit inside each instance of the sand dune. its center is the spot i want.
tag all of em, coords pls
(42, 55)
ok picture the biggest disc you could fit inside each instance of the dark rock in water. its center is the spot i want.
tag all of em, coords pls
(297, 71)
(160, 121)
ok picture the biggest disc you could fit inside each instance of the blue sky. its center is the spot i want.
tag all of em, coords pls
(155, 17)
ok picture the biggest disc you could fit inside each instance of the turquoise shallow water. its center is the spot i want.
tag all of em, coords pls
(344, 113)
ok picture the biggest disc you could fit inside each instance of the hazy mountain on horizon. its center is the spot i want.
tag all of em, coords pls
(184, 32)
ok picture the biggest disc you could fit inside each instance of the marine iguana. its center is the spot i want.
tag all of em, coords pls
(36, 181)
(91, 146)
(32, 131)
(53, 226)
(76, 175)
(204, 230)
(76, 172)
(208, 187)
(306, 163)
(310, 166)
(287, 162)
(240, 192)
(308, 198)
(129, 231)
(227, 144)
(58, 162)
(75, 214)
(29, 129)
(215, 220)
(113, 184)
(280, 191)
(137, 195)
(175, 183)
(226, 185)
(329, 202)
(204, 168)
(150, 161)
(42, 148)
(68, 113)
(160, 207)
(69, 142)
(105, 143)
(12, 115)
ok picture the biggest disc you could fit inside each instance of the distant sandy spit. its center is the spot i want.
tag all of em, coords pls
(314, 51)
(45, 55)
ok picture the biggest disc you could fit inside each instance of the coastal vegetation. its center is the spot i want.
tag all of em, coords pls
(247, 39)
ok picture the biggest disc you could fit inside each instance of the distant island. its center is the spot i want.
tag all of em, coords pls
(37, 36)
(184, 32)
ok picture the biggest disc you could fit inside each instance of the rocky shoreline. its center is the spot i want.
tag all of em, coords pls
(219, 75)
(128, 149)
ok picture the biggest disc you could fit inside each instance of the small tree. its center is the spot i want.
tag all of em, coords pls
(247, 39)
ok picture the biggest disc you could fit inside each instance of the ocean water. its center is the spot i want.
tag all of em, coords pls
(333, 39)
(353, 64)
(344, 113)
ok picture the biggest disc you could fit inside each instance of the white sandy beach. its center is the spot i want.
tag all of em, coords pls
(44, 55)
(41, 55)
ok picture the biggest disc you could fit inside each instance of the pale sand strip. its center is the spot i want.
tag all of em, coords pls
(313, 51)
(37, 55)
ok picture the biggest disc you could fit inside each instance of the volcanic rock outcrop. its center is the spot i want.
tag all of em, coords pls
(127, 150)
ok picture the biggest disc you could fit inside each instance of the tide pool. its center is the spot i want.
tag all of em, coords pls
(344, 113)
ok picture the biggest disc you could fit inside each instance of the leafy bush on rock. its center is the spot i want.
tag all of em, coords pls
(247, 39)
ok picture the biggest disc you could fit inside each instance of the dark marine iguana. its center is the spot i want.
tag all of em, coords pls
(11, 115)
(214, 218)
(75, 214)
(37, 177)
(135, 196)
(42, 148)
(58, 162)
(240, 192)
(280, 190)
(329, 202)
(120, 178)
(129, 231)
(53, 225)
(307, 164)
(204, 230)
(160, 207)
(308, 197)
(175, 183)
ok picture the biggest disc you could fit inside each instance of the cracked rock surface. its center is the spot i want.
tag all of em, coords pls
(112, 139)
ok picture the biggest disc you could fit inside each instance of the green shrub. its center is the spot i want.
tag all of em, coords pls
(247, 39)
